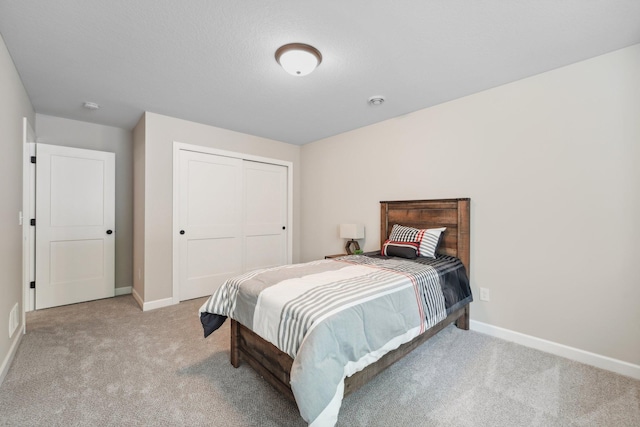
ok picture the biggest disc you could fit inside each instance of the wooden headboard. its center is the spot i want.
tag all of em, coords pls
(451, 213)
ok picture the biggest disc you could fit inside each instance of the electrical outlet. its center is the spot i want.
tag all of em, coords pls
(485, 295)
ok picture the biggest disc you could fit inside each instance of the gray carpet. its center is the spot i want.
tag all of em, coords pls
(107, 363)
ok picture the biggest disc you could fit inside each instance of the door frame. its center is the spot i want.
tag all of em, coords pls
(28, 212)
(177, 147)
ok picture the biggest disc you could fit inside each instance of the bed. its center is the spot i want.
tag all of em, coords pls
(276, 366)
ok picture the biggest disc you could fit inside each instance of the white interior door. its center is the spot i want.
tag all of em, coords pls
(75, 219)
(265, 212)
(210, 222)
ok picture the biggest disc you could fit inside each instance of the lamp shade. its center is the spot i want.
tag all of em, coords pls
(351, 231)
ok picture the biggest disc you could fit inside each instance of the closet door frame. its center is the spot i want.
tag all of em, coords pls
(177, 146)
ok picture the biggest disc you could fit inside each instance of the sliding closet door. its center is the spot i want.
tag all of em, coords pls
(265, 213)
(210, 221)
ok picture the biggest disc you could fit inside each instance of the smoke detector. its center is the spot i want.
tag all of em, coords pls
(376, 100)
(91, 106)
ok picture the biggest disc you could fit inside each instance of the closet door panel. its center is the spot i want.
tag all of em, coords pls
(210, 218)
(265, 215)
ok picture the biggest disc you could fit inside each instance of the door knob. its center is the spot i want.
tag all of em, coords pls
(109, 232)
(181, 231)
(284, 228)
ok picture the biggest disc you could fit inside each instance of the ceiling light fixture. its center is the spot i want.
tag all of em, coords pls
(91, 106)
(298, 59)
(376, 100)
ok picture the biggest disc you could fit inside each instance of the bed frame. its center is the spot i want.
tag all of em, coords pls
(275, 366)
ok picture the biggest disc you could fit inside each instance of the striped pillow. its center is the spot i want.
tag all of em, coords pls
(428, 239)
(400, 233)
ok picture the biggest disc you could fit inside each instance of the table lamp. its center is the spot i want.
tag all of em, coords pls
(351, 232)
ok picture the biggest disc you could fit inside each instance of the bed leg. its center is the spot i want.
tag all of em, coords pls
(235, 341)
(463, 321)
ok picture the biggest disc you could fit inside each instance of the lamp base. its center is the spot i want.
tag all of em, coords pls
(348, 249)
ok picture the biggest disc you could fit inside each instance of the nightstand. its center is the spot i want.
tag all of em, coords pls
(334, 256)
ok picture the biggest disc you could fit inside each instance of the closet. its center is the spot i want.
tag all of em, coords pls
(232, 217)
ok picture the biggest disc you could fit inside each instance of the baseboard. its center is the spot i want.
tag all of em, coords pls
(6, 363)
(582, 356)
(159, 303)
(152, 305)
(124, 290)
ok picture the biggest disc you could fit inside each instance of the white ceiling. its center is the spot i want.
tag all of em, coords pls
(212, 61)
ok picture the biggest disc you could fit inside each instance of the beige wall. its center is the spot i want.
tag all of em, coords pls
(14, 105)
(73, 133)
(160, 133)
(551, 166)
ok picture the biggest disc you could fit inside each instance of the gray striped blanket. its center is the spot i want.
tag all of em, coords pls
(333, 317)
